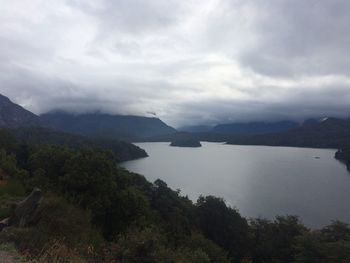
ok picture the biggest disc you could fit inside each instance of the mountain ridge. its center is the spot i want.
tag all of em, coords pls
(329, 133)
(251, 128)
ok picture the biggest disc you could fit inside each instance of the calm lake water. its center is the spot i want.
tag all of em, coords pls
(260, 181)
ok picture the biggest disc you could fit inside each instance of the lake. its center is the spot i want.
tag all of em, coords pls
(260, 181)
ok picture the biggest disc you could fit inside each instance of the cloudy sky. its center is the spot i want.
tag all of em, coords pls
(190, 62)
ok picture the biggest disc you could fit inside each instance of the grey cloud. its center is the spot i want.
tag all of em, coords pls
(302, 104)
(300, 38)
(41, 93)
(188, 61)
(132, 16)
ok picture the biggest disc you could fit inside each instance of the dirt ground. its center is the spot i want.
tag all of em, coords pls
(7, 257)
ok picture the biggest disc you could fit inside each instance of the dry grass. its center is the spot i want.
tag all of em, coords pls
(9, 254)
(55, 252)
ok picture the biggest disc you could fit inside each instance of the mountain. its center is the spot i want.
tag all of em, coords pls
(251, 128)
(244, 128)
(30, 128)
(13, 115)
(107, 126)
(195, 128)
(326, 133)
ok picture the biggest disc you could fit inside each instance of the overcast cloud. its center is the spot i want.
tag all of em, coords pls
(190, 62)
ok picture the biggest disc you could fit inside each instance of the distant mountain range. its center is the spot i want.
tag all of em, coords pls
(328, 132)
(252, 128)
(93, 125)
(243, 128)
(129, 128)
(325, 133)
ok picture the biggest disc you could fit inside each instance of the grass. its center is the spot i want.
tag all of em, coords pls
(57, 252)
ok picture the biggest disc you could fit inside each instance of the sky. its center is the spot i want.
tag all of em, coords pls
(187, 62)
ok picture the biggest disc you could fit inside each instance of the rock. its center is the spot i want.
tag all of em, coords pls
(23, 214)
(4, 223)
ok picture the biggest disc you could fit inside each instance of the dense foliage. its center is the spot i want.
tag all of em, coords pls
(93, 211)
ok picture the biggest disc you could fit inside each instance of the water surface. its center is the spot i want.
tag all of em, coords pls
(260, 181)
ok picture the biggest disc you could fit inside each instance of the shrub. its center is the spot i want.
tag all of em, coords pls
(57, 224)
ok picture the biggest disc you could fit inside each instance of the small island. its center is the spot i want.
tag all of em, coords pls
(186, 143)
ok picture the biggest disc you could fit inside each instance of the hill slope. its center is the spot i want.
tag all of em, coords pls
(124, 151)
(13, 115)
(107, 126)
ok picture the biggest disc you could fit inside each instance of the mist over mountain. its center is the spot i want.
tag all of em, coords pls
(92, 124)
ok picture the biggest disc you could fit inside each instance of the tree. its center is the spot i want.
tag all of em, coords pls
(274, 241)
(223, 225)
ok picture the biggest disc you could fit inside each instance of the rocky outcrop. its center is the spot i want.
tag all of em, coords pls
(24, 212)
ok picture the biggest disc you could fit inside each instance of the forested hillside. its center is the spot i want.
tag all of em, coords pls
(123, 151)
(93, 211)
